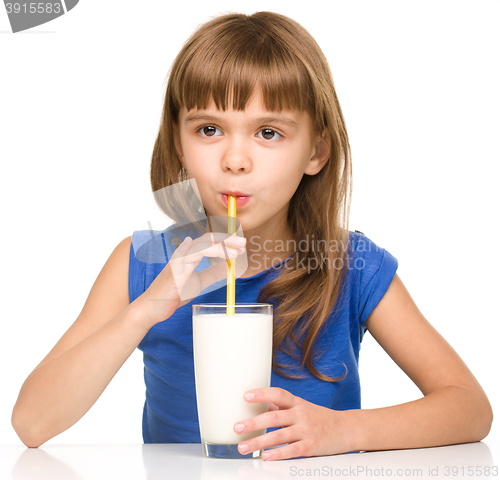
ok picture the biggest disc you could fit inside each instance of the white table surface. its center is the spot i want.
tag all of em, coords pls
(186, 462)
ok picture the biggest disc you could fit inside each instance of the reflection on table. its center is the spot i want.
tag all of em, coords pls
(186, 461)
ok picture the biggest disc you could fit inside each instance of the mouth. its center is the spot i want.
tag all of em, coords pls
(241, 199)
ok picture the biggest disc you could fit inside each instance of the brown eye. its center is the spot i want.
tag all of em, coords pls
(269, 134)
(209, 131)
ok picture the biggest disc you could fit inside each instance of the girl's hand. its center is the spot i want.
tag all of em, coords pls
(177, 283)
(310, 430)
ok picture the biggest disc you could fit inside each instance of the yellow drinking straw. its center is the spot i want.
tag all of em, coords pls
(231, 264)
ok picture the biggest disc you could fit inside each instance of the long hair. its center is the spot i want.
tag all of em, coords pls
(223, 61)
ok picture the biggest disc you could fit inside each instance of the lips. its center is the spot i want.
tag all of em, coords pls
(241, 199)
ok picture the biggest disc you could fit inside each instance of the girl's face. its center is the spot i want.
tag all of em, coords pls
(258, 155)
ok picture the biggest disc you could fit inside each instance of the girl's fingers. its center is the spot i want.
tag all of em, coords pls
(279, 397)
(177, 282)
(218, 237)
(209, 240)
(219, 245)
(271, 439)
(212, 275)
(281, 414)
(292, 450)
(191, 260)
(201, 280)
(189, 254)
(192, 284)
(192, 252)
(273, 419)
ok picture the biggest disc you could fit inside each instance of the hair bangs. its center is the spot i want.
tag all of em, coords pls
(228, 71)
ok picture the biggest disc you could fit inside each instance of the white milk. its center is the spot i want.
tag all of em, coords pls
(232, 354)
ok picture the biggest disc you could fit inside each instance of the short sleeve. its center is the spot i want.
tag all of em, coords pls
(136, 270)
(376, 268)
(150, 251)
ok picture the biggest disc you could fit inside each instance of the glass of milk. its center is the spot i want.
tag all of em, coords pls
(232, 354)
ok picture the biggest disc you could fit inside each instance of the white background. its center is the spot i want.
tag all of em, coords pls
(80, 102)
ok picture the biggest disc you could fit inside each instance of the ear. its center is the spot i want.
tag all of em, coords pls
(321, 154)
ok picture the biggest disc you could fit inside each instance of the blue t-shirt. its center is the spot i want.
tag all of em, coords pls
(170, 412)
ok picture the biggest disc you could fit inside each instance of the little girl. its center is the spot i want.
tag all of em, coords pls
(251, 110)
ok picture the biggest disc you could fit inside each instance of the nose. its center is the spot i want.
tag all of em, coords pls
(236, 157)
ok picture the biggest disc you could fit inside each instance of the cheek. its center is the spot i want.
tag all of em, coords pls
(192, 160)
(289, 170)
(188, 147)
(296, 156)
(198, 158)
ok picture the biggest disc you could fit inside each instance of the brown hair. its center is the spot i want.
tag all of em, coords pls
(223, 61)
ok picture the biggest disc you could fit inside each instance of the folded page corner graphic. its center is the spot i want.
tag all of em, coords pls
(26, 15)
(70, 4)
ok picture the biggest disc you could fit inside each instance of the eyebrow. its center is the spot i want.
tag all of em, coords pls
(280, 119)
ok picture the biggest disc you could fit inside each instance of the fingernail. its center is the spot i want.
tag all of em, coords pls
(241, 240)
(266, 455)
(243, 447)
(239, 427)
(241, 249)
(249, 396)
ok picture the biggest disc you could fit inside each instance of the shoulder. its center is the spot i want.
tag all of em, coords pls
(368, 259)
(118, 261)
(116, 267)
(372, 269)
(359, 242)
(107, 298)
(150, 251)
(157, 246)
(124, 245)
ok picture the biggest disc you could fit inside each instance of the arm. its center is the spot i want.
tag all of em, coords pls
(69, 380)
(454, 408)
(63, 387)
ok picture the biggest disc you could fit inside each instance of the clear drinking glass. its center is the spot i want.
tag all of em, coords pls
(232, 354)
